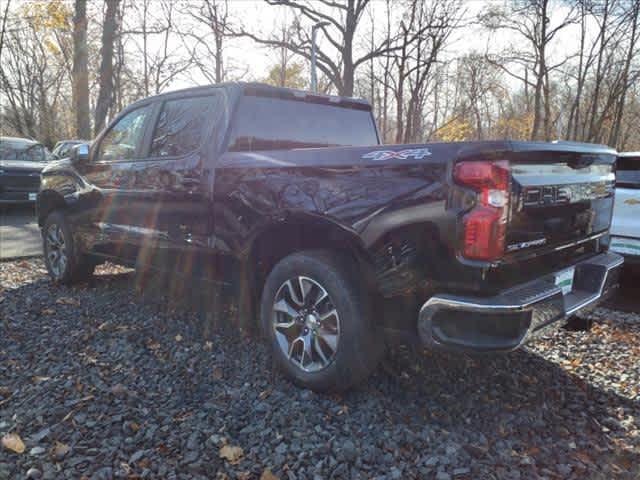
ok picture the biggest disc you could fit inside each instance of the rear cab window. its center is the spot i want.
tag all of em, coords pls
(278, 123)
(182, 125)
(628, 171)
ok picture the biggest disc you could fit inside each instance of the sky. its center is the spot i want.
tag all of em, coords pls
(254, 61)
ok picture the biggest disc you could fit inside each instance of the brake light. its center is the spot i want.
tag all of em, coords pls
(486, 224)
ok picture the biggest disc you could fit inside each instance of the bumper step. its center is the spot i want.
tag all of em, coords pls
(506, 321)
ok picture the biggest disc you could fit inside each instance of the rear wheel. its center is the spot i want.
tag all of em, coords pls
(316, 315)
(65, 264)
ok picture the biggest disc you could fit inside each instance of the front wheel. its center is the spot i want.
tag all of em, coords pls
(316, 314)
(65, 264)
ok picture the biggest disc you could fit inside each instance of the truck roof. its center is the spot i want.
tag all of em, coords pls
(262, 89)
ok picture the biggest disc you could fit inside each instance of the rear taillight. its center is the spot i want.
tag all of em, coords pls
(485, 225)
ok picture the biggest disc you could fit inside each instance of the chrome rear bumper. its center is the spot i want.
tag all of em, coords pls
(506, 321)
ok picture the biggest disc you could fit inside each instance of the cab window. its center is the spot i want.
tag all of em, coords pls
(122, 141)
(182, 125)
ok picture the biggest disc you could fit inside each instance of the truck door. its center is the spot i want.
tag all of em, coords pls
(170, 188)
(107, 204)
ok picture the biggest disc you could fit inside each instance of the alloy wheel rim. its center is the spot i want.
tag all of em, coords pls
(56, 250)
(306, 324)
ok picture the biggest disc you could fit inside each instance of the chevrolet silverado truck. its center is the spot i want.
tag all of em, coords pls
(341, 243)
(625, 226)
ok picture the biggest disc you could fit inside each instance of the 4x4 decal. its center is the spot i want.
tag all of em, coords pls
(415, 153)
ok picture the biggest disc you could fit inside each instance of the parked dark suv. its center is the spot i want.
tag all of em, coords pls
(21, 161)
(481, 245)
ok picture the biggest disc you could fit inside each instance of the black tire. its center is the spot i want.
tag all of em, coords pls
(359, 346)
(77, 267)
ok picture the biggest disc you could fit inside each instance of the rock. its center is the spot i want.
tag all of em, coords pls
(193, 442)
(349, 451)
(137, 456)
(475, 450)
(37, 451)
(104, 473)
(459, 472)
(431, 461)
(139, 396)
(34, 473)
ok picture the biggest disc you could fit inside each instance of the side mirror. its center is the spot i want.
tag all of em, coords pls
(79, 153)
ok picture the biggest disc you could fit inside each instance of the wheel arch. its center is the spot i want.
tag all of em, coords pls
(48, 201)
(298, 233)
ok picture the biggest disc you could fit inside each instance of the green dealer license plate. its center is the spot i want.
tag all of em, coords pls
(564, 280)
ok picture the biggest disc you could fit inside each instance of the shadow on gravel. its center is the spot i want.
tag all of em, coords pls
(138, 383)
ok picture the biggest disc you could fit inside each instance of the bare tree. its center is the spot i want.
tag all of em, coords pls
(33, 73)
(626, 78)
(531, 19)
(80, 74)
(214, 16)
(4, 25)
(342, 21)
(105, 95)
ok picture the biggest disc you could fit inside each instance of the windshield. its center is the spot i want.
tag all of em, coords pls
(628, 172)
(24, 151)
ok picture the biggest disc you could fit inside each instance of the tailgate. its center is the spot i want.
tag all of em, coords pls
(562, 194)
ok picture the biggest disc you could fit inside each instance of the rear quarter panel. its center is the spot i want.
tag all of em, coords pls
(392, 199)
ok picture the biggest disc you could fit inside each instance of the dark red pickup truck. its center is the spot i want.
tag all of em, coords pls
(344, 243)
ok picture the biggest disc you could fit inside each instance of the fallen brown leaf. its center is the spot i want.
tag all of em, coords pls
(217, 373)
(264, 394)
(13, 442)
(231, 453)
(267, 475)
(60, 450)
(68, 301)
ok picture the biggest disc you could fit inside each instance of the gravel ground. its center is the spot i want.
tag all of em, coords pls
(98, 383)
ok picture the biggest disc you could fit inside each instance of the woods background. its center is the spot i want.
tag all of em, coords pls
(434, 70)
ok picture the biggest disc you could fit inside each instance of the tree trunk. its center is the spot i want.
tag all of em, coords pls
(598, 79)
(4, 25)
(145, 55)
(81, 71)
(617, 123)
(348, 68)
(574, 115)
(540, 73)
(106, 66)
